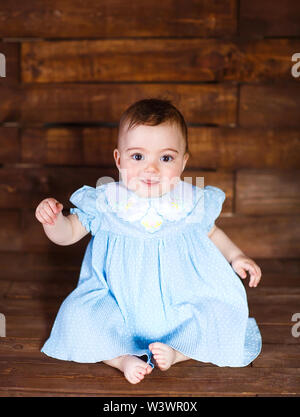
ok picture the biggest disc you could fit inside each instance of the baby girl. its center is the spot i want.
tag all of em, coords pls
(159, 278)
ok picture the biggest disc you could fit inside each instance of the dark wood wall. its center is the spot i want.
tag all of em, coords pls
(74, 66)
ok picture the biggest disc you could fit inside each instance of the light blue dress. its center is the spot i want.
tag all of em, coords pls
(150, 273)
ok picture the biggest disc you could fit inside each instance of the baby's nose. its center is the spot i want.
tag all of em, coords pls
(151, 167)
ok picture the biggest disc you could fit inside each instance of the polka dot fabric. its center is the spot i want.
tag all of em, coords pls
(173, 286)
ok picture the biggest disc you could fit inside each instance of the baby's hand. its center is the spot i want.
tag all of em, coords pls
(48, 210)
(241, 264)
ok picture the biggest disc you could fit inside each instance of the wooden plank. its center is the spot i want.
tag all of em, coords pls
(11, 392)
(278, 356)
(156, 60)
(4, 288)
(269, 18)
(104, 103)
(30, 326)
(267, 192)
(274, 310)
(210, 147)
(102, 379)
(27, 187)
(283, 270)
(30, 307)
(10, 236)
(10, 145)
(107, 19)
(39, 266)
(262, 292)
(239, 147)
(278, 334)
(39, 289)
(16, 347)
(16, 393)
(277, 282)
(264, 236)
(274, 105)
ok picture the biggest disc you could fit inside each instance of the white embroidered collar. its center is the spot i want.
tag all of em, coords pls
(151, 212)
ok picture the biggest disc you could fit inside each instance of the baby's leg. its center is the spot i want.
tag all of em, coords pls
(134, 368)
(165, 356)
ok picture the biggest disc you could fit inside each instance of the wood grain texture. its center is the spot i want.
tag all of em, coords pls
(270, 105)
(269, 18)
(267, 192)
(139, 18)
(154, 60)
(274, 236)
(104, 103)
(10, 145)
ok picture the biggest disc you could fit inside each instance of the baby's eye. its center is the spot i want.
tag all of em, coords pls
(137, 154)
(167, 156)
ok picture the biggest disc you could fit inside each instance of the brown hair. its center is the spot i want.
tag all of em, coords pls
(152, 112)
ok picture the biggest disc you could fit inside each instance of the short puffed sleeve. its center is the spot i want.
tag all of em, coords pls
(213, 200)
(85, 201)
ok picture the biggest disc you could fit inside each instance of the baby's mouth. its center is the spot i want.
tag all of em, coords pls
(150, 182)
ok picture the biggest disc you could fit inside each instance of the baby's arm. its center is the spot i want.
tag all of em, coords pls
(224, 244)
(66, 231)
(59, 229)
(238, 260)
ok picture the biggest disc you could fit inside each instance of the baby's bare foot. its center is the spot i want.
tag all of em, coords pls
(134, 368)
(165, 356)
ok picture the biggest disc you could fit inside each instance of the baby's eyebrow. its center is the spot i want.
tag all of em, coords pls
(142, 149)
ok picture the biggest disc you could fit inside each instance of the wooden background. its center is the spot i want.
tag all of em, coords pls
(72, 68)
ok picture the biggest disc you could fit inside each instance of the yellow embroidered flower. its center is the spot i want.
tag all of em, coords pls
(149, 225)
(175, 205)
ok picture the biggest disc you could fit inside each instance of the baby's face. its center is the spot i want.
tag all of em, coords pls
(151, 158)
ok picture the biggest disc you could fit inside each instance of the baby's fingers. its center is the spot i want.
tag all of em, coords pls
(242, 273)
(255, 275)
(43, 217)
(47, 211)
(53, 206)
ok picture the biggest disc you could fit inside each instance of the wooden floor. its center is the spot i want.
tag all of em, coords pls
(30, 307)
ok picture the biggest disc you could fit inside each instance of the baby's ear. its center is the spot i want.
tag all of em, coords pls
(185, 159)
(116, 154)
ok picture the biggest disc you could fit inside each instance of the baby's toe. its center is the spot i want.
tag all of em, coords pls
(149, 369)
(134, 380)
(140, 372)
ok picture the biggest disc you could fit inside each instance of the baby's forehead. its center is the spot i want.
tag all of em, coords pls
(138, 133)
